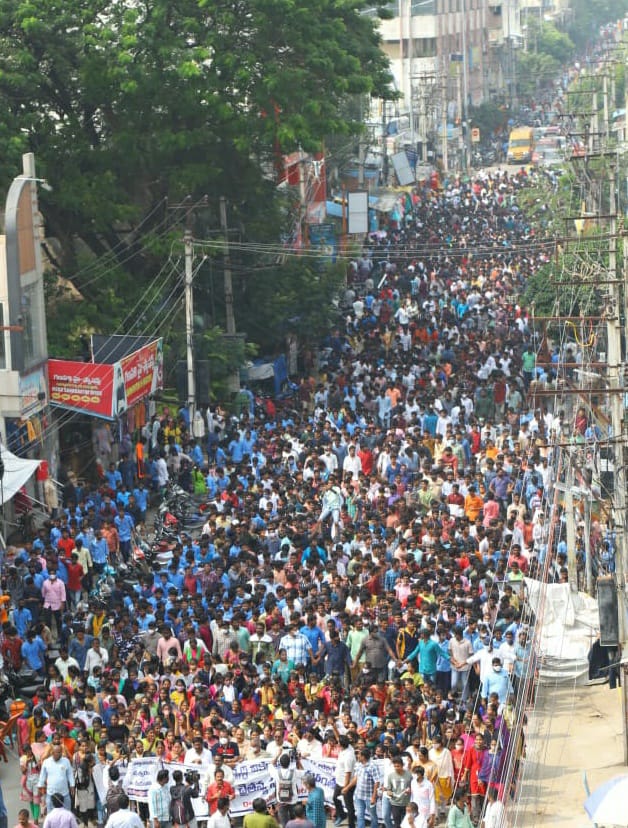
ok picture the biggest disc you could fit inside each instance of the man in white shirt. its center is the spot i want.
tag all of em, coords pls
(96, 657)
(494, 814)
(413, 818)
(309, 747)
(198, 754)
(352, 463)
(345, 769)
(220, 817)
(506, 651)
(124, 817)
(422, 793)
(64, 662)
(330, 460)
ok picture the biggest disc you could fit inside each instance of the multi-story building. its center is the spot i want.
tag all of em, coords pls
(437, 50)
(505, 38)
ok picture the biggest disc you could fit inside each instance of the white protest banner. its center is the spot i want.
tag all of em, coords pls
(324, 771)
(251, 780)
(140, 775)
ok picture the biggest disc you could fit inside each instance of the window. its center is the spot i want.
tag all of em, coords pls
(424, 47)
(419, 7)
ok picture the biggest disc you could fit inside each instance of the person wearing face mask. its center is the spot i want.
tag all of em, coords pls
(483, 657)
(497, 681)
(53, 593)
(225, 747)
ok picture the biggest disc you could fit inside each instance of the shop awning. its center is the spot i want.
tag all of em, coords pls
(16, 472)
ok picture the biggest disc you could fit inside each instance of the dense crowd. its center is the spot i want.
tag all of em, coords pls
(356, 591)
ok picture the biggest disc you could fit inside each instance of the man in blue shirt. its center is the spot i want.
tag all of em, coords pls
(34, 652)
(427, 651)
(314, 553)
(235, 450)
(79, 646)
(197, 454)
(315, 636)
(99, 550)
(140, 493)
(125, 525)
(113, 476)
(22, 618)
(497, 681)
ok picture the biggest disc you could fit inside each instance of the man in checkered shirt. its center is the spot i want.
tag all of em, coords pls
(297, 646)
(366, 782)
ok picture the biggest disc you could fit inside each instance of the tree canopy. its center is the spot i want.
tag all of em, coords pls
(127, 103)
(587, 17)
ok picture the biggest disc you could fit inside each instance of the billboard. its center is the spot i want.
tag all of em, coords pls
(323, 239)
(358, 204)
(142, 371)
(404, 172)
(33, 392)
(81, 386)
(106, 390)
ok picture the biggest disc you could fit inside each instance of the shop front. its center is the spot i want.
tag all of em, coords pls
(111, 398)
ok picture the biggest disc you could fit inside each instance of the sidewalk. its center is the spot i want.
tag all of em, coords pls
(572, 731)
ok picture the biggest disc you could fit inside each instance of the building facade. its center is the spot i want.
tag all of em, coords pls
(25, 428)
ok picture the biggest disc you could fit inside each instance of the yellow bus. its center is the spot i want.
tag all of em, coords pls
(521, 145)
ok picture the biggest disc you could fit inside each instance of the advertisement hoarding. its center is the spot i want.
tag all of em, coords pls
(106, 390)
(81, 386)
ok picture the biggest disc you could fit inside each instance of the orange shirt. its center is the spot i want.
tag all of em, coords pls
(473, 505)
(5, 600)
(394, 394)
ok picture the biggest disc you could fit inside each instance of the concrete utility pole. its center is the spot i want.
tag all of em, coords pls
(230, 324)
(607, 120)
(189, 322)
(615, 371)
(229, 317)
(443, 127)
(572, 566)
(567, 490)
(588, 563)
(464, 115)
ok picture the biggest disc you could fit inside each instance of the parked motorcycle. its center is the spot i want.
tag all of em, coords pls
(25, 683)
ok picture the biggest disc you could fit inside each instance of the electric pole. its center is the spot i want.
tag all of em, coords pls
(229, 317)
(614, 332)
(443, 126)
(189, 322)
(572, 566)
(230, 324)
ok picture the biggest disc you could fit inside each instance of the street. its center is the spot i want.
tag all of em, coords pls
(572, 732)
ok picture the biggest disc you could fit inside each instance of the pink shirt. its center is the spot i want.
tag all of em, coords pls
(491, 511)
(163, 646)
(53, 593)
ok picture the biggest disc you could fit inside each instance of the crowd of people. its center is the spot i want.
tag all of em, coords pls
(357, 590)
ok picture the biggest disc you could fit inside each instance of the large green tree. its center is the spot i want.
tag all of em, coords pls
(586, 18)
(129, 102)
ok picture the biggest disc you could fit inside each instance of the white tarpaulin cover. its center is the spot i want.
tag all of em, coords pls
(16, 472)
(569, 626)
(265, 370)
